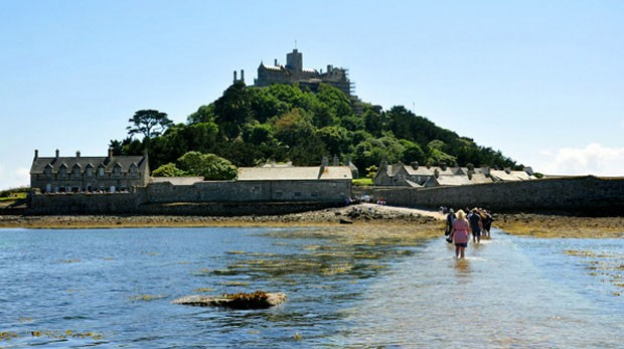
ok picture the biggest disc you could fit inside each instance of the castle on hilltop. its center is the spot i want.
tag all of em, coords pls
(293, 72)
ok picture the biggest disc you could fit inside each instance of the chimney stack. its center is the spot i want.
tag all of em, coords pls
(242, 75)
(383, 166)
(110, 153)
(235, 76)
(275, 62)
(78, 154)
(57, 153)
(325, 161)
(36, 154)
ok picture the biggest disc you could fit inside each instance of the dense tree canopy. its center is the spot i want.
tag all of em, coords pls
(251, 125)
(194, 163)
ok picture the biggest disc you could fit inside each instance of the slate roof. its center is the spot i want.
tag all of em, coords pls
(40, 163)
(479, 178)
(501, 175)
(450, 180)
(293, 173)
(177, 180)
(421, 171)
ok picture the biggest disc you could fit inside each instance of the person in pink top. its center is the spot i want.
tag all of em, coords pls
(460, 233)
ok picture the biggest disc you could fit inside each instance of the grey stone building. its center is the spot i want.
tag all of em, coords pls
(416, 176)
(412, 175)
(293, 72)
(88, 174)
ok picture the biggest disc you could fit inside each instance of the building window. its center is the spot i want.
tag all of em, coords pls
(117, 171)
(314, 194)
(63, 172)
(101, 171)
(133, 171)
(278, 194)
(89, 172)
(298, 194)
(48, 172)
(76, 171)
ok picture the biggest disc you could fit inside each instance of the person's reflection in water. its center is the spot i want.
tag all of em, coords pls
(463, 267)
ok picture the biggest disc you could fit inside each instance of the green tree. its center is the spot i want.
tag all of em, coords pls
(258, 134)
(266, 105)
(336, 139)
(205, 113)
(371, 171)
(210, 166)
(148, 122)
(233, 109)
(374, 119)
(412, 152)
(335, 99)
(168, 170)
(293, 127)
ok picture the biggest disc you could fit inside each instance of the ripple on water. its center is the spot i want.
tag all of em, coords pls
(509, 292)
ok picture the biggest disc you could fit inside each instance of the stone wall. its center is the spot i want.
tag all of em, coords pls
(130, 204)
(228, 198)
(83, 203)
(573, 195)
(250, 191)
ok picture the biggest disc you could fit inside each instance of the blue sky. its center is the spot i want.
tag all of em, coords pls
(541, 81)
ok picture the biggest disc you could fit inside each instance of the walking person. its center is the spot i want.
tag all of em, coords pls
(487, 223)
(475, 225)
(460, 234)
(450, 217)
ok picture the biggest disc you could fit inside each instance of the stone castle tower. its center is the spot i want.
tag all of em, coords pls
(293, 72)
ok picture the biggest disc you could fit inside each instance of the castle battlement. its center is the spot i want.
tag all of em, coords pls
(294, 72)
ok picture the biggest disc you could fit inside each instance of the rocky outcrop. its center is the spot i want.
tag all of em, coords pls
(255, 300)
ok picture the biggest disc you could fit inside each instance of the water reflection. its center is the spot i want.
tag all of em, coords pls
(500, 296)
(462, 267)
(345, 289)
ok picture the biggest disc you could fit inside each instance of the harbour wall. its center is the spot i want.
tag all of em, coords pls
(210, 198)
(586, 195)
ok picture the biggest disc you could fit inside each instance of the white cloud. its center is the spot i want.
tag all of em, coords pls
(18, 178)
(593, 159)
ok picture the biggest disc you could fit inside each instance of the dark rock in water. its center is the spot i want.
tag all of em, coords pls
(345, 221)
(256, 300)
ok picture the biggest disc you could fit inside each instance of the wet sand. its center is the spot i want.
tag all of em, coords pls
(550, 226)
(542, 226)
(354, 214)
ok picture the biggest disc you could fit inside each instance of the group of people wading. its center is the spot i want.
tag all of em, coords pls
(459, 227)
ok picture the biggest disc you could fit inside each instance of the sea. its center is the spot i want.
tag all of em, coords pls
(113, 288)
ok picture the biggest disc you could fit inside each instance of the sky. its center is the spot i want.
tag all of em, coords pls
(541, 81)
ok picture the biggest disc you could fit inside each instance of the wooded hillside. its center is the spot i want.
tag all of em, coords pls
(250, 125)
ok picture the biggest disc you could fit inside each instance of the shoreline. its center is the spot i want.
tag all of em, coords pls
(369, 214)
(533, 225)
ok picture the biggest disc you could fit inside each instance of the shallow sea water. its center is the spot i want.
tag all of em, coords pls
(112, 288)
